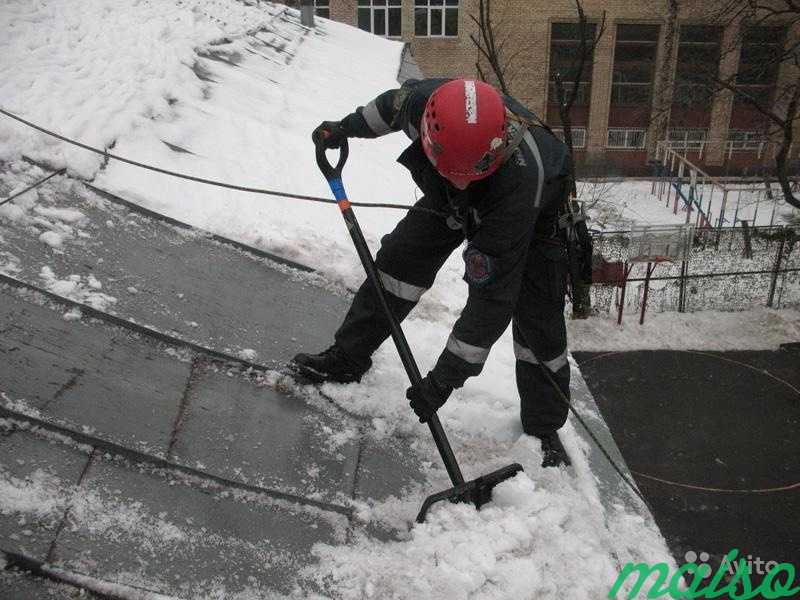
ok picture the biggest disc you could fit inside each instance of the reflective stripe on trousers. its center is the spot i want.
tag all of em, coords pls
(472, 354)
(374, 119)
(401, 289)
(525, 354)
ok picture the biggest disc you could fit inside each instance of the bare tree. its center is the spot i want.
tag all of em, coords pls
(781, 109)
(494, 46)
(664, 86)
(588, 36)
(566, 95)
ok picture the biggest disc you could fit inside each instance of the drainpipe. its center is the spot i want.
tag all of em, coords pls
(307, 13)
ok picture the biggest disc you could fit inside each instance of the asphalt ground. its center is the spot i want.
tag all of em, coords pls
(712, 441)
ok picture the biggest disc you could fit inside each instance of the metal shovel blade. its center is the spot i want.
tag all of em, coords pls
(477, 492)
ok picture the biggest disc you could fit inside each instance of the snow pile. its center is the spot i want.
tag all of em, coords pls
(246, 354)
(40, 496)
(544, 535)
(34, 211)
(547, 533)
(73, 314)
(78, 288)
(756, 329)
(9, 263)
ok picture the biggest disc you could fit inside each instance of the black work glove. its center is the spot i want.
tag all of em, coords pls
(427, 397)
(329, 134)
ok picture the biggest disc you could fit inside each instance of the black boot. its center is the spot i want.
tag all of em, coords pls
(553, 450)
(331, 365)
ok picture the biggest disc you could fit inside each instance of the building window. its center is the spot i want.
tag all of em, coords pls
(689, 139)
(698, 64)
(634, 64)
(381, 17)
(626, 138)
(759, 63)
(436, 18)
(565, 49)
(739, 139)
(578, 136)
(322, 8)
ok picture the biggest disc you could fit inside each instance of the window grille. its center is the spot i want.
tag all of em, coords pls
(626, 138)
(739, 139)
(690, 139)
(578, 136)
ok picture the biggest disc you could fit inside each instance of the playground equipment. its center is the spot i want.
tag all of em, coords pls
(655, 244)
(707, 200)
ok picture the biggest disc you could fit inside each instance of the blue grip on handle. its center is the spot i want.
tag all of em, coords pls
(337, 187)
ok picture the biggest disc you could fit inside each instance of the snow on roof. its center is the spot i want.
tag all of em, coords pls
(215, 88)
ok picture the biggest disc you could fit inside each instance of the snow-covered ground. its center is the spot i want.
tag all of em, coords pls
(614, 204)
(239, 88)
(755, 329)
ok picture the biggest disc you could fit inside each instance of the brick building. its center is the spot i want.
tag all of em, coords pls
(630, 97)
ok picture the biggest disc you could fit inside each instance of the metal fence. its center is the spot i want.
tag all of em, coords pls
(730, 268)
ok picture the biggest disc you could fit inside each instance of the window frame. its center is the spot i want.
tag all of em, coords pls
(560, 41)
(579, 136)
(688, 138)
(445, 6)
(629, 132)
(764, 84)
(688, 91)
(618, 84)
(746, 139)
(387, 7)
(322, 5)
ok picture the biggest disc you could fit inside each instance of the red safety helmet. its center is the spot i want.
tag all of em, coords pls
(464, 130)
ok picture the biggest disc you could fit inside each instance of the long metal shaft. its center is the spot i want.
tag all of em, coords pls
(400, 342)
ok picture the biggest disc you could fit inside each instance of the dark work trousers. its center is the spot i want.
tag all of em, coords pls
(408, 260)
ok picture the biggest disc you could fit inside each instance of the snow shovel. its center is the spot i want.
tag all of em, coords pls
(478, 491)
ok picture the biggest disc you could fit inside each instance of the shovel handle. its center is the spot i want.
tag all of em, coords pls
(333, 175)
(328, 170)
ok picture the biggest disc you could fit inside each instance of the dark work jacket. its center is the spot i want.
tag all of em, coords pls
(499, 215)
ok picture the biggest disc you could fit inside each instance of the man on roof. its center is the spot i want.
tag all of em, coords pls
(479, 158)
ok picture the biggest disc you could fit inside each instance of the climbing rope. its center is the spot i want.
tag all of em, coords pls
(35, 185)
(222, 184)
(560, 393)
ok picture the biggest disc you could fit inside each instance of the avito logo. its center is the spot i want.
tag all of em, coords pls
(777, 582)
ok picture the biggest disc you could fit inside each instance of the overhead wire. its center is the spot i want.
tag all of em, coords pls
(213, 182)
